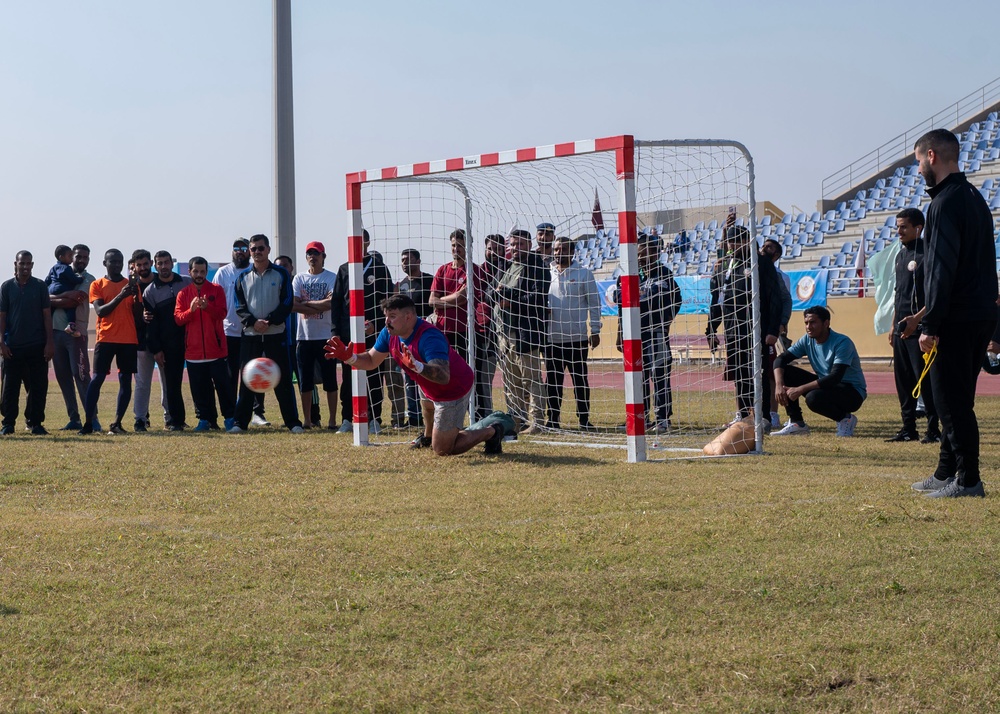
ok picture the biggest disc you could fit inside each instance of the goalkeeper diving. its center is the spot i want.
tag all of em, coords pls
(445, 379)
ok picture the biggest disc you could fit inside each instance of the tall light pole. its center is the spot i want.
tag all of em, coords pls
(284, 133)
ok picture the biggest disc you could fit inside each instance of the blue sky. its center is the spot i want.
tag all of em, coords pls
(147, 123)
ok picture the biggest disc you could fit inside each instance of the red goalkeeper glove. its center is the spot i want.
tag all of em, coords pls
(335, 349)
(407, 360)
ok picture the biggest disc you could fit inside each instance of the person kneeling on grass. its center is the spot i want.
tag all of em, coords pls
(836, 390)
(445, 379)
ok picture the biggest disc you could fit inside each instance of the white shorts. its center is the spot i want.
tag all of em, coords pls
(450, 415)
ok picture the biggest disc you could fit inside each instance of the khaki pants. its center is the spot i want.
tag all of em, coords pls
(522, 379)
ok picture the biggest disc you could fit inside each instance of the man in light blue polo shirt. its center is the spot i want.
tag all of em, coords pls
(836, 390)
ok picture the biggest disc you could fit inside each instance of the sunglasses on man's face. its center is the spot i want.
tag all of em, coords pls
(258, 249)
(240, 249)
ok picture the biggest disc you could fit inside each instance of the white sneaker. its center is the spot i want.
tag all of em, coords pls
(791, 428)
(845, 427)
(258, 420)
(234, 429)
(374, 428)
(297, 430)
(346, 427)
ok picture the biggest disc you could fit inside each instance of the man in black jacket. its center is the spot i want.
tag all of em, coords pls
(907, 359)
(521, 301)
(378, 285)
(164, 337)
(960, 285)
(659, 303)
(732, 305)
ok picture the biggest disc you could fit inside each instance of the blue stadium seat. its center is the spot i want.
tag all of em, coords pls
(699, 226)
(900, 202)
(884, 204)
(973, 166)
(830, 215)
(824, 261)
(786, 219)
(838, 226)
(713, 224)
(796, 251)
(870, 204)
(843, 204)
(898, 172)
(993, 154)
(788, 241)
(880, 183)
(879, 245)
(817, 239)
(824, 225)
(995, 203)
(841, 260)
(913, 170)
(885, 233)
(855, 204)
(910, 181)
(847, 247)
(779, 230)
(814, 217)
(914, 201)
(895, 181)
(978, 154)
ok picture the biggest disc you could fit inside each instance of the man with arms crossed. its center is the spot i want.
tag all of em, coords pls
(445, 379)
(960, 288)
(312, 291)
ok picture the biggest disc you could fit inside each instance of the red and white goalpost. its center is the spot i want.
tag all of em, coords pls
(663, 186)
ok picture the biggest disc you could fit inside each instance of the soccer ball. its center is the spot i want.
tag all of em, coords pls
(261, 374)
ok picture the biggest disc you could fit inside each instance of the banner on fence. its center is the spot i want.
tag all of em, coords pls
(808, 289)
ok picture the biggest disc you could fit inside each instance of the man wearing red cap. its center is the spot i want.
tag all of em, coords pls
(312, 291)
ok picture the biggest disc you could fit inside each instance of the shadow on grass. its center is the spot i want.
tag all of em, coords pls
(535, 459)
(6, 610)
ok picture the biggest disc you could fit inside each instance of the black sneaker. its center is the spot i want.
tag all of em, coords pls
(6, 430)
(931, 437)
(904, 435)
(39, 430)
(494, 445)
(174, 427)
(86, 429)
(116, 429)
(139, 427)
(421, 442)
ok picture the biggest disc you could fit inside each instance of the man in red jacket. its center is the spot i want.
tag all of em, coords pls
(200, 309)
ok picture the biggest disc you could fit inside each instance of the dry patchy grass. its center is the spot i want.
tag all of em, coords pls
(186, 572)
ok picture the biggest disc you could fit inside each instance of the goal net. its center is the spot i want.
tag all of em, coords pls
(590, 294)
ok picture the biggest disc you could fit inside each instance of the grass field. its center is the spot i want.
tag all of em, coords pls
(264, 572)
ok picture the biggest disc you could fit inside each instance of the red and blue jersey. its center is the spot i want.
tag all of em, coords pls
(428, 343)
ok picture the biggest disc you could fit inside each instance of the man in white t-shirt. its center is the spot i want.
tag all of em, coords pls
(312, 293)
(225, 277)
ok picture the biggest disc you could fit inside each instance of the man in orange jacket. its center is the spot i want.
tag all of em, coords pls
(200, 309)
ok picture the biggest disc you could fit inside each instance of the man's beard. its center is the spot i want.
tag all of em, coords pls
(928, 173)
